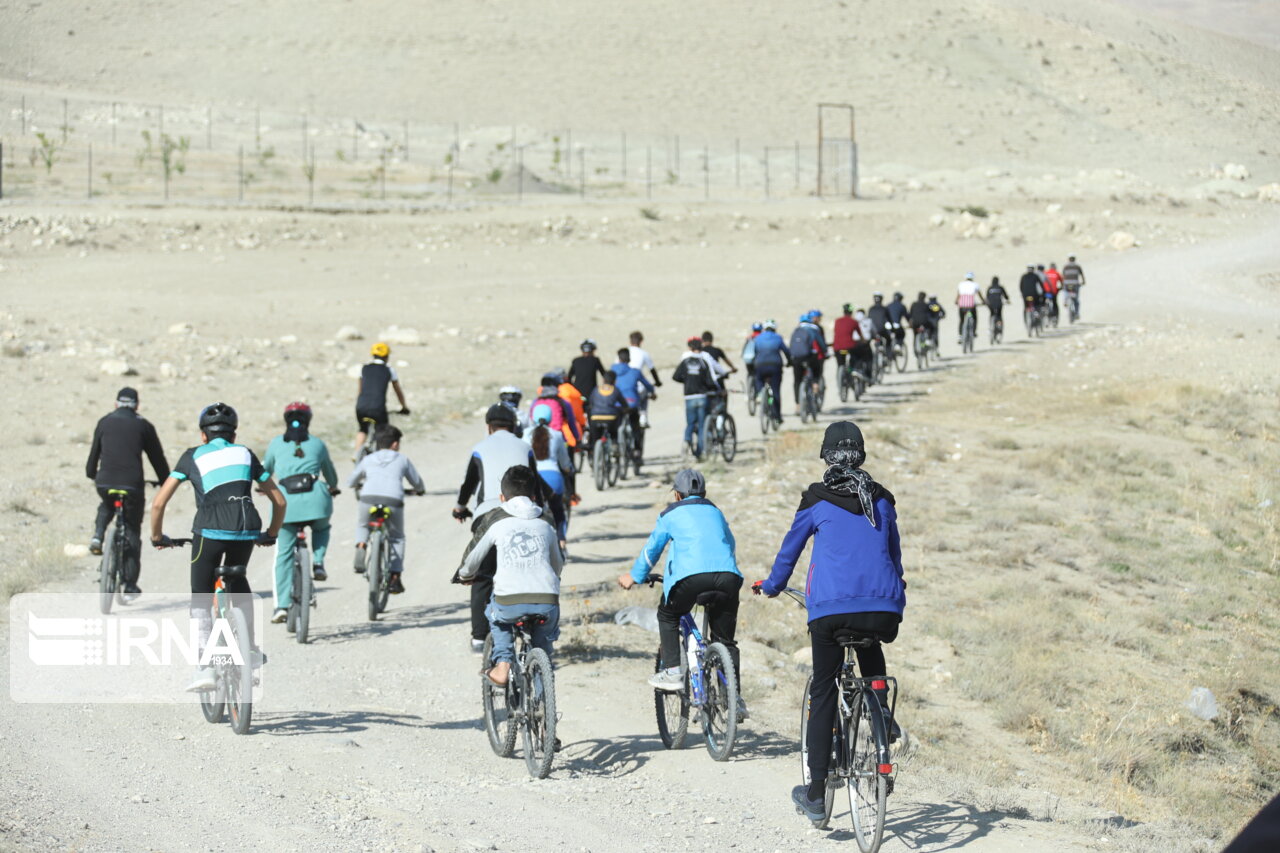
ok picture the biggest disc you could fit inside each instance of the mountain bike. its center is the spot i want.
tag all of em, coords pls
(767, 407)
(749, 393)
(1073, 305)
(812, 392)
(997, 329)
(922, 346)
(526, 704)
(861, 758)
(968, 331)
(378, 560)
(1051, 312)
(1033, 319)
(879, 361)
(606, 460)
(627, 449)
(722, 433)
(298, 620)
(710, 686)
(898, 344)
(851, 380)
(111, 578)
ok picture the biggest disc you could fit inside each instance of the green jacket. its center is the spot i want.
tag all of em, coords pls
(281, 461)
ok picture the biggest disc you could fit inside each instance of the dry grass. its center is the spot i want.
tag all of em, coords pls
(41, 564)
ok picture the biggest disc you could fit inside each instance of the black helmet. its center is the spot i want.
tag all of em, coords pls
(877, 297)
(588, 345)
(897, 297)
(218, 419)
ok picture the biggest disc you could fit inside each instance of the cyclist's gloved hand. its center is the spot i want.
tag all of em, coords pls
(420, 492)
(264, 539)
(334, 491)
(162, 542)
(461, 513)
(404, 410)
(756, 587)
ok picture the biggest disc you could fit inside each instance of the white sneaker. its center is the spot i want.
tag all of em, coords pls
(280, 615)
(668, 680)
(203, 681)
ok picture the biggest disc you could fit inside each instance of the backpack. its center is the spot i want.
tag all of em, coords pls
(749, 351)
(801, 342)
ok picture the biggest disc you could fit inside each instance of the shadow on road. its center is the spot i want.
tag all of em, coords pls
(617, 756)
(931, 826)
(325, 722)
(393, 620)
(753, 746)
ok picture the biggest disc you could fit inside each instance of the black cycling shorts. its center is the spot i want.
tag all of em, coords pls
(378, 416)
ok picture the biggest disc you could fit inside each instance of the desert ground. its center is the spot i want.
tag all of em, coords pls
(1088, 518)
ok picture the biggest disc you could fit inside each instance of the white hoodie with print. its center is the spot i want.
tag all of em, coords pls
(529, 559)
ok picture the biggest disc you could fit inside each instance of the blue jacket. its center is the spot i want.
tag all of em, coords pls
(770, 349)
(855, 567)
(629, 380)
(700, 542)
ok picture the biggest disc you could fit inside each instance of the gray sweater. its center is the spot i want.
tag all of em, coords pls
(382, 475)
(529, 559)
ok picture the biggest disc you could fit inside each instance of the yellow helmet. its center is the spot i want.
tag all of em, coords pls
(379, 350)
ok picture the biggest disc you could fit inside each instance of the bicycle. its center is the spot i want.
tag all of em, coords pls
(968, 331)
(627, 449)
(710, 684)
(920, 342)
(606, 461)
(528, 702)
(767, 407)
(377, 559)
(1073, 305)
(722, 432)
(298, 620)
(861, 757)
(1051, 312)
(997, 329)
(851, 379)
(111, 570)
(898, 348)
(879, 361)
(811, 398)
(748, 391)
(370, 428)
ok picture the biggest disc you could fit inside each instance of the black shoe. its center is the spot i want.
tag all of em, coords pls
(318, 573)
(131, 592)
(95, 546)
(814, 810)
(559, 746)
(393, 584)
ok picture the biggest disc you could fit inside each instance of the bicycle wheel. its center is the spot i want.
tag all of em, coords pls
(845, 384)
(918, 346)
(808, 408)
(303, 593)
(499, 722)
(720, 711)
(627, 444)
(614, 462)
(598, 465)
(384, 582)
(729, 439)
(240, 676)
(766, 419)
(673, 711)
(373, 572)
(819, 397)
(295, 584)
(901, 358)
(108, 573)
(213, 702)
(805, 777)
(540, 714)
(859, 386)
(868, 787)
(749, 392)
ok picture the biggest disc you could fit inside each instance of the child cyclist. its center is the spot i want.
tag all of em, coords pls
(526, 581)
(380, 476)
(226, 526)
(306, 474)
(854, 584)
(701, 560)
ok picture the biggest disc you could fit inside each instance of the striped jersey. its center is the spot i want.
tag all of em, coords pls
(967, 294)
(223, 475)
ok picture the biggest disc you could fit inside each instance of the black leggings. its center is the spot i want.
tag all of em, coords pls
(132, 522)
(828, 657)
(206, 556)
(722, 621)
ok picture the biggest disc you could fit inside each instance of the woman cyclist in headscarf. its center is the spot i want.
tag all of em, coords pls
(299, 461)
(854, 584)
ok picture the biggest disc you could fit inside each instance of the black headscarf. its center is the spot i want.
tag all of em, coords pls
(296, 430)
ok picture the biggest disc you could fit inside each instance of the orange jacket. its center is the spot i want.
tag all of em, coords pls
(574, 397)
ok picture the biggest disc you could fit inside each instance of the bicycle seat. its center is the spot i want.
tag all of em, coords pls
(848, 638)
(117, 491)
(230, 571)
(711, 598)
(530, 620)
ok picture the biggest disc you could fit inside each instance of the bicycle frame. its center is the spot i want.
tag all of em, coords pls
(697, 689)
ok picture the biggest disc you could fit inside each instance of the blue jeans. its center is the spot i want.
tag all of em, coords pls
(695, 419)
(502, 619)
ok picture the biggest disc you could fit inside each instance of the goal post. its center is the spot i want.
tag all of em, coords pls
(837, 153)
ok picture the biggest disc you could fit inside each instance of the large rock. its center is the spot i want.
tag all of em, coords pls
(1270, 192)
(403, 337)
(117, 367)
(1235, 172)
(349, 333)
(1122, 240)
(182, 329)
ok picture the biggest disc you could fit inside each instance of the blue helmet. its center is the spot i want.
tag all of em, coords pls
(757, 327)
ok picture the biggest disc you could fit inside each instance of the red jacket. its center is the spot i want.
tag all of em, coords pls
(842, 333)
(1052, 282)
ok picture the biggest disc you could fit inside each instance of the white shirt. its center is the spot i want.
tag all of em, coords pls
(640, 359)
(967, 293)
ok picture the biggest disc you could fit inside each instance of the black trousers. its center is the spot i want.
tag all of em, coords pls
(797, 371)
(206, 556)
(481, 592)
(828, 656)
(722, 621)
(132, 522)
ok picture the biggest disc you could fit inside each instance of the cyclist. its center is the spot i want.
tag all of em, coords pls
(714, 352)
(1052, 285)
(854, 583)
(1072, 279)
(641, 360)
(521, 543)
(771, 356)
(371, 396)
(490, 460)
(939, 314)
(577, 402)
(995, 300)
(636, 389)
(563, 418)
(702, 559)
(607, 409)
(585, 368)
(300, 461)
(898, 320)
(1032, 290)
(510, 396)
(968, 295)
(698, 374)
(921, 318)
(380, 477)
(226, 525)
(749, 353)
(115, 462)
(878, 313)
(808, 349)
(555, 469)
(844, 334)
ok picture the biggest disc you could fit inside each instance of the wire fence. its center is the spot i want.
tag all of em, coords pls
(65, 148)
